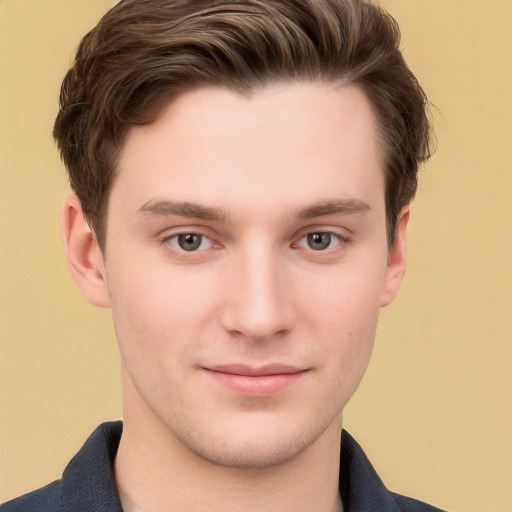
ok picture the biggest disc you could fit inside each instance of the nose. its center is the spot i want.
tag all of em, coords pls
(258, 298)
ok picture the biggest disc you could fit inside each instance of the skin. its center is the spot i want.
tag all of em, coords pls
(284, 192)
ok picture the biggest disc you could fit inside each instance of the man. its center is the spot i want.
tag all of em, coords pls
(242, 173)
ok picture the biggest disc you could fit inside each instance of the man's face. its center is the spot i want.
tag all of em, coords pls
(246, 261)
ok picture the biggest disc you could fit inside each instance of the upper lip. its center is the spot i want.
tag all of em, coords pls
(255, 371)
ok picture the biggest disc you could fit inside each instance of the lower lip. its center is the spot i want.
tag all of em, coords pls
(256, 385)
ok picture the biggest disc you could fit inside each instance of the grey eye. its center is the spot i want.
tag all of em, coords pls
(189, 241)
(319, 241)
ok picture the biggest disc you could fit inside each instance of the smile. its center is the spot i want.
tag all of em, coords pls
(256, 381)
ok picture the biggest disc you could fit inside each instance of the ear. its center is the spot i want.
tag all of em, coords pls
(83, 255)
(395, 270)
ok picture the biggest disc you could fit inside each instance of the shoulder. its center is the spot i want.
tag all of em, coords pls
(89, 470)
(46, 499)
(406, 504)
(361, 488)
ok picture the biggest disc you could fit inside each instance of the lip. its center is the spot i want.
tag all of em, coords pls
(256, 381)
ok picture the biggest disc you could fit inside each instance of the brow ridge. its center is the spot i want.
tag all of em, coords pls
(167, 207)
(183, 209)
(333, 207)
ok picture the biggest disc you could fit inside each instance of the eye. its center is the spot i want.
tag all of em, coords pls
(320, 241)
(190, 242)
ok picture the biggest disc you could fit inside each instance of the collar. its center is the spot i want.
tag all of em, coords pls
(88, 481)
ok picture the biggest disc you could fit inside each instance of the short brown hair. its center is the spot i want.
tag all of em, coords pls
(142, 52)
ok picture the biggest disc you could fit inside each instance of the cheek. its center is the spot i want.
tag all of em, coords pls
(349, 352)
(159, 311)
(343, 313)
(347, 299)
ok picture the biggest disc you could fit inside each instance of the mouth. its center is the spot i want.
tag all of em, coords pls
(259, 381)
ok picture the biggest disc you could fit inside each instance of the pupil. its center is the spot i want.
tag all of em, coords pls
(319, 241)
(189, 242)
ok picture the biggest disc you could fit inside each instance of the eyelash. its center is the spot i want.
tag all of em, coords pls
(204, 238)
(176, 236)
(340, 239)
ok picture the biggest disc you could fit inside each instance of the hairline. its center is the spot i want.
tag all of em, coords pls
(246, 90)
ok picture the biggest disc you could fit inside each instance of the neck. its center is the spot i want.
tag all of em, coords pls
(155, 473)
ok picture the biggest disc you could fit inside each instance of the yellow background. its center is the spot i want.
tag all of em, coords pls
(434, 412)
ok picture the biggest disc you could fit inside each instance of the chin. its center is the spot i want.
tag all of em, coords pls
(250, 454)
(256, 445)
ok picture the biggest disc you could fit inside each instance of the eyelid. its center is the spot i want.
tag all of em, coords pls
(343, 234)
(204, 240)
(173, 233)
(340, 239)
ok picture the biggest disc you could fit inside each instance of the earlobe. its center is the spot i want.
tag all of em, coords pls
(397, 260)
(83, 254)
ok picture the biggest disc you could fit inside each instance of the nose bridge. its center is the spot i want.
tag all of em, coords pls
(259, 304)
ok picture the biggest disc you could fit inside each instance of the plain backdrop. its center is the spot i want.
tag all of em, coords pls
(434, 412)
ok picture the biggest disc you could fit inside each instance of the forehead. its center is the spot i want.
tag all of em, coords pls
(298, 138)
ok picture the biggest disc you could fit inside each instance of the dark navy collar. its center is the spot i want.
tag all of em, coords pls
(88, 483)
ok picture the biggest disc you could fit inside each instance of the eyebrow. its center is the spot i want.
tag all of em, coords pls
(165, 208)
(334, 207)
